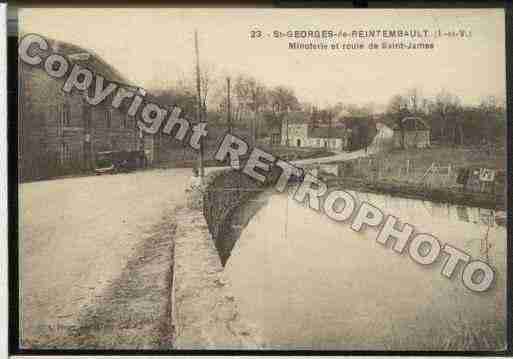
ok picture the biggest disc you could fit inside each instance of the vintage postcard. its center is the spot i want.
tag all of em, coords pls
(271, 179)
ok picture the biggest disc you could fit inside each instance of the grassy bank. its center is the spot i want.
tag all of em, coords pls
(419, 191)
(423, 173)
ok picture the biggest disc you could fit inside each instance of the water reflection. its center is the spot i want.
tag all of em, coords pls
(306, 282)
(484, 216)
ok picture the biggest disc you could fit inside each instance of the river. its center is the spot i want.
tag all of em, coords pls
(303, 281)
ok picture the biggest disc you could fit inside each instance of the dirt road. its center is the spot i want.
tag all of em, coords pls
(378, 144)
(95, 259)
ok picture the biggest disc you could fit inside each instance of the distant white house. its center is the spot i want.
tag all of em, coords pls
(297, 132)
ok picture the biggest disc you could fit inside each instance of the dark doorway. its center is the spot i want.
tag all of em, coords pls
(298, 141)
(87, 154)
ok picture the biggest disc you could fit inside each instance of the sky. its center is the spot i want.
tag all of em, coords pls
(154, 48)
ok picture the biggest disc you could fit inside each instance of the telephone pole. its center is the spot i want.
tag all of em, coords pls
(254, 123)
(228, 105)
(329, 128)
(199, 109)
(287, 123)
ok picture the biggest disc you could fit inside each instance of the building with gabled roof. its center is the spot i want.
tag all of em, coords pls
(60, 133)
(298, 131)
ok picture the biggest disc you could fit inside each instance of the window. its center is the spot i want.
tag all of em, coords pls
(87, 115)
(65, 153)
(108, 119)
(65, 115)
(59, 119)
(124, 122)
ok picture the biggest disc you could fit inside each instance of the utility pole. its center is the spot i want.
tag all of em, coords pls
(228, 105)
(329, 128)
(199, 109)
(287, 122)
(254, 132)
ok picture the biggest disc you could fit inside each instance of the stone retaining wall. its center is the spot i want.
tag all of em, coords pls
(205, 313)
(225, 191)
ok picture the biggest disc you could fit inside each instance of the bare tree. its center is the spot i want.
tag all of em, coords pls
(446, 106)
(414, 100)
(251, 97)
(492, 110)
(242, 97)
(398, 109)
(359, 111)
(283, 98)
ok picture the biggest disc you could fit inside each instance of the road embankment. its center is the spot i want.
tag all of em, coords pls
(205, 313)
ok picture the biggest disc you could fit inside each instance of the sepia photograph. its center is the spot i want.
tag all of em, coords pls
(261, 179)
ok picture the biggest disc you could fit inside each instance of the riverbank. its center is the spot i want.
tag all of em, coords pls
(419, 191)
(429, 174)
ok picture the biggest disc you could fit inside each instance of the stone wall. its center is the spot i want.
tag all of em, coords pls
(205, 312)
(226, 190)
